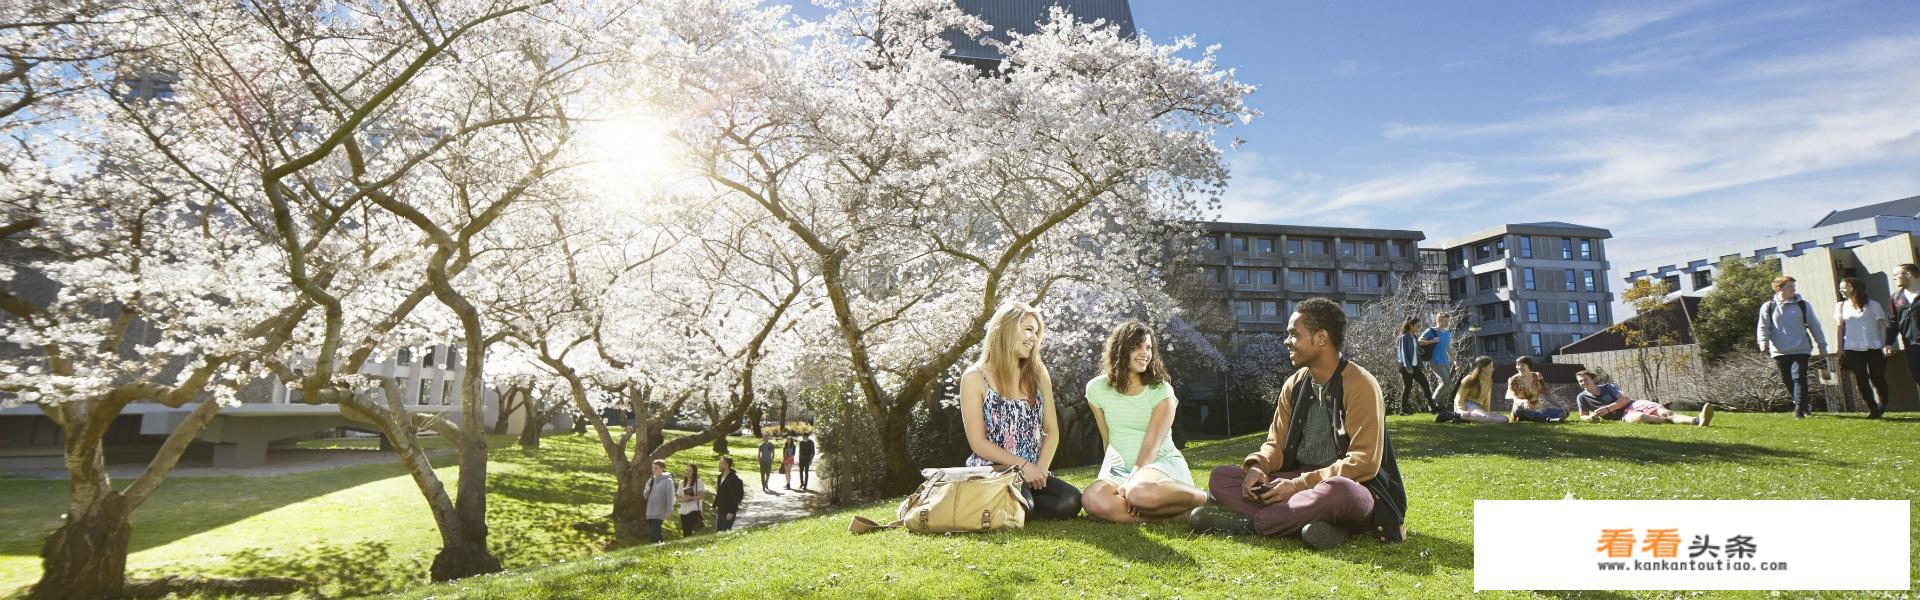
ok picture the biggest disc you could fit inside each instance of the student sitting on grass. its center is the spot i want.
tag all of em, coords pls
(1144, 477)
(1023, 429)
(1528, 391)
(1474, 397)
(1327, 467)
(1627, 409)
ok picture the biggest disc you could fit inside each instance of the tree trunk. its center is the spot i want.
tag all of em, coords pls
(901, 477)
(530, 433)
(87, 556)
(466, 554)
(502, 421)
(754, 415)
(630, 505)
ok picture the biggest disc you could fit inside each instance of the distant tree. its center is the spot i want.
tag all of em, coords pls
(1650, 332)
(1727, 313)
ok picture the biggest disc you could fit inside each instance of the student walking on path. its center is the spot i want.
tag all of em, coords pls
(659, 495)
(806, 459)
(726, 503)
(766, 463)
(1863, 345)
(1789, 332)
(786, 463)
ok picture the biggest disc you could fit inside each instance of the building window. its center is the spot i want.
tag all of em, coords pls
(1372, 281)
(1573, 312)
(405, 356)
(1526, 247)
(1593, 312)
(1483, 252)
(1672, 281)
(1504, 284)
(1263, 245)
(1370, 250)
(1266, 277)
(1211, 242)
(1293, 247)
(1295, 278)
(1526, 277)
(1533, 311)
(1210, 274)
(1586, 249)
(1566, 248)
(453, 357)
(1243, 310)
(1571, 284)
(1458, 286)
(1349, 280)
(1352, 309)
(1269, 310)
(1346, 248)
(426, 389)
(1322, 279)
(1500, 247)
(1702, 279)
(446, 394)
(1239, 244)
(1592, 284)
(1484, 281)
(1398, 249)
(1535, 337)
(427, 361)
(1487, 313)
(1241, 277)
(1319, 247)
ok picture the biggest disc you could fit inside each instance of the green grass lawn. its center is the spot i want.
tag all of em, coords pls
(351, 530)
(1447, 467)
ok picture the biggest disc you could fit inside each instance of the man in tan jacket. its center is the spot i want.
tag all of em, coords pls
(1327, 466)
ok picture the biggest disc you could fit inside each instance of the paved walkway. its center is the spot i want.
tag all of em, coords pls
(765, 508)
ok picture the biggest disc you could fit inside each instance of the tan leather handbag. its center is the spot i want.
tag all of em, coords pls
(959, 500)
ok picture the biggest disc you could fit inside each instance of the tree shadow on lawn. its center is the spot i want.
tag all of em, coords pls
(181, 507)
(1125, 542)
(1579, 441)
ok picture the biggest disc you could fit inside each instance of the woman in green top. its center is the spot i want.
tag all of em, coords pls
(1144, 478)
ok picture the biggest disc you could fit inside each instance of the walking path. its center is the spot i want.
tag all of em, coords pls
(780, 504)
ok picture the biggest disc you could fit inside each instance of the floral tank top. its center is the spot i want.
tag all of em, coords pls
(1013, 424)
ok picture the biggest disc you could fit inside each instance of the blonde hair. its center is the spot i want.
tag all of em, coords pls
(999, 350)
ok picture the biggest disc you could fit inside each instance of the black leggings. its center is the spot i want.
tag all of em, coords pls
(1409, 376)
(1059, 500)
(1868, 367)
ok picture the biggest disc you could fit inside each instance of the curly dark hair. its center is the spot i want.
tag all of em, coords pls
(1126, 338)
(1321, 314)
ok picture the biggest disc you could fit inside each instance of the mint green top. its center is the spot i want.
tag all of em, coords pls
(1127, 419)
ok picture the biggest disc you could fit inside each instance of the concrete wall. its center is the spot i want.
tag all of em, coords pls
(1624, 367)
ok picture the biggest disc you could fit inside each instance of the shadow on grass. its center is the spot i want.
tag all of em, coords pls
(1420, 554)
(1414, 441)
(1125, 542)
(177, 514)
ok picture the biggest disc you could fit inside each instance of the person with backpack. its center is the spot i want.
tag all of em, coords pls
(1327, 468)
(1789, 331)
(659, 494)
(1411, 359)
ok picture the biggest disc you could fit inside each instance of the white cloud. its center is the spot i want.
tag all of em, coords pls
(1258, 195)
(1346, 67)
(1612, 23)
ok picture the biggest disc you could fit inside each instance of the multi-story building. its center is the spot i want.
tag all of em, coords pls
(1530, 288)
(1691, 273)
(1023, 17)
(1263, 270)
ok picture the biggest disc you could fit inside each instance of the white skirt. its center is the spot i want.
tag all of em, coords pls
(1116, 469)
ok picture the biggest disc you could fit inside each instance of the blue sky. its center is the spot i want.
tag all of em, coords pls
(1675, 125)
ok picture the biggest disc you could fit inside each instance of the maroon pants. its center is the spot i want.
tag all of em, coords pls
(1338, 500)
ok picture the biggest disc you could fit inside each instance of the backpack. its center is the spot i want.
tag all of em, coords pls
(965, 499)
(1388, 489)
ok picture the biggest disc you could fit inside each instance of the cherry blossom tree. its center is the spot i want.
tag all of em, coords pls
(928, 192)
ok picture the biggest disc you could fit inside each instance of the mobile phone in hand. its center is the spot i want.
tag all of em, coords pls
(1261, 488)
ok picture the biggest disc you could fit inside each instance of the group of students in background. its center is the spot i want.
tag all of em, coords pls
(1869, 333)
(663, 494)
(1325, 472)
